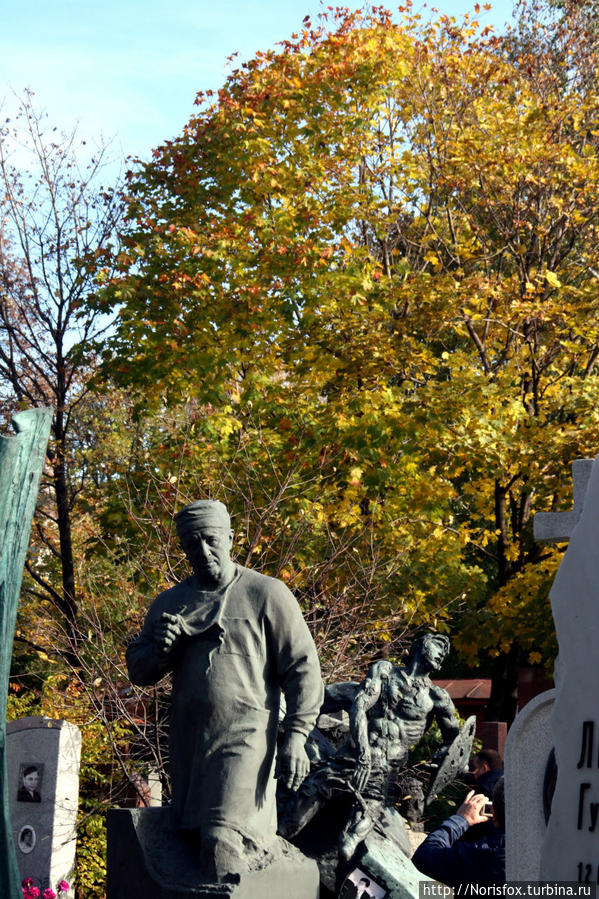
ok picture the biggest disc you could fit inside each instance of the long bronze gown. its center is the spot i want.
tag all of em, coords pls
(243, 645)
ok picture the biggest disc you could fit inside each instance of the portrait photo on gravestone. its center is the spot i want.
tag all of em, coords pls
(359, 885)
(27, 839)
(30, 780)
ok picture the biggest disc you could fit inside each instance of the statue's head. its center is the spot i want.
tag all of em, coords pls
(430, 649)
(204, 529)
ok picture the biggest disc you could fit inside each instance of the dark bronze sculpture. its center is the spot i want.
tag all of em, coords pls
(234, 640)
(392, 709)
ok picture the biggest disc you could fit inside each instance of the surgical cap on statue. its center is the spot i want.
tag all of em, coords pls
(204, 513)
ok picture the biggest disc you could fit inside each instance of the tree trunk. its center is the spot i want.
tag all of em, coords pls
(503, 703)
(66, 550)
(504, 687)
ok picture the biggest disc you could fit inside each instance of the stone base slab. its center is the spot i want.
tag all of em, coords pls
(146, 857)
(384, 857)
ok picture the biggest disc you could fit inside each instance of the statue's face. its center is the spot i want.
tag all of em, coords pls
(433, 651)
(208, 550)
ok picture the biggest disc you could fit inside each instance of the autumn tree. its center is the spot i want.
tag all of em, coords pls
(557, 41)
(376, 249)
(54, 221)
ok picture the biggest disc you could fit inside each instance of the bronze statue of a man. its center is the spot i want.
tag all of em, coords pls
(391, 711)
(394, 708)
(233, 639)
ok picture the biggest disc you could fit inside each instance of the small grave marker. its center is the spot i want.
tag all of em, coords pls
(43, 782)
(527, 751)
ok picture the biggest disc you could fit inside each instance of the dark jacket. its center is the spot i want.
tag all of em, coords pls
(484, 784)
(487, 781)
(443, 858)
(350, 891)
(24, 795)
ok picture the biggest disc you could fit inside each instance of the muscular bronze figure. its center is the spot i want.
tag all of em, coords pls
(392, 710)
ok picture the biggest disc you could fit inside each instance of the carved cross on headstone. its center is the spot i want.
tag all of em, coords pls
(556, 527)
(571, 845)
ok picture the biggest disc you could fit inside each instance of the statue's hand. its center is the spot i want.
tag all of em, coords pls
(361, 773)
(293, 764)
(167, 631)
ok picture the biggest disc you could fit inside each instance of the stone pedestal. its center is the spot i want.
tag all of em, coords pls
(146, 857)
(384, 856)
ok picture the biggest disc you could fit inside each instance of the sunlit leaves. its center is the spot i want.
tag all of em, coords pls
(386, 231)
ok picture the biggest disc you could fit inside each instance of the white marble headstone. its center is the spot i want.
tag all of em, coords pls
(570, 849)
(43, 781)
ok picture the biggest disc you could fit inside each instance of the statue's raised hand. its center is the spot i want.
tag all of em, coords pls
(167, 631)
(361, 773)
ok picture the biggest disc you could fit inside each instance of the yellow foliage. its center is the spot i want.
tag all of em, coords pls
(399, 254)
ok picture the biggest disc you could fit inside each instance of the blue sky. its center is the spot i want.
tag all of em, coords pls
(129, 70)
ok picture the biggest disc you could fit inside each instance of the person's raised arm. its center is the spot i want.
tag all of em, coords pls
(365, 699)
(442, 857)
(446, 719)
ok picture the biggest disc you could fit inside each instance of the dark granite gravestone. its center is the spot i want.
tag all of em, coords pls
(43, 780)
(21, 462)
